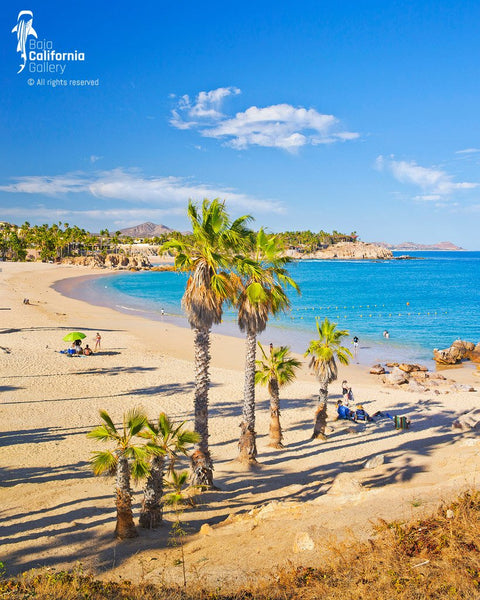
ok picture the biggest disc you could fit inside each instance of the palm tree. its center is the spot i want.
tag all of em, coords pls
(323, 352)
(275, 370)
(262, 294)
(166, 440)
(207, 256)
(127, 459)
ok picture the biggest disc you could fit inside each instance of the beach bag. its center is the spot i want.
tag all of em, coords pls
(401, 422)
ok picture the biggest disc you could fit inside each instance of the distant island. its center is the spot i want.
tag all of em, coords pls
(412, 246)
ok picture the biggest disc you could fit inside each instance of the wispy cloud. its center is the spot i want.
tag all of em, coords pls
(131, 186)
(435, 184)
(468, 151)
(277, 126)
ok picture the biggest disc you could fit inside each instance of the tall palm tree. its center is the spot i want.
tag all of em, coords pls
(262, 294)
(276, 369)
(207, 255)
(324, 351)
(166, 440)
(125, 460)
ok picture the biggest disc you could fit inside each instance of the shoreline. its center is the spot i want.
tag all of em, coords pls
(57, 514)
(371, 352)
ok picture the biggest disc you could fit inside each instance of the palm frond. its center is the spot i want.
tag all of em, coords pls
(104, 462)
(108, 421)
(101, 433)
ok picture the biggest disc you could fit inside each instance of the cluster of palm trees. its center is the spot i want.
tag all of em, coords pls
(164, 441)
(229, 263)
(54, 241)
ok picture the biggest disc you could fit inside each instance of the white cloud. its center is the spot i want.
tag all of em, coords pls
(207, 105)
(435, 183)
(276, 126)
(94, 159)
(468, 151)
(132, 186)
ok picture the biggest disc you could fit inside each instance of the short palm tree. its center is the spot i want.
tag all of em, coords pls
(125, 460)
(323, 352)
(262, 293)
(207, 256)
(166, 440)
(276, 369)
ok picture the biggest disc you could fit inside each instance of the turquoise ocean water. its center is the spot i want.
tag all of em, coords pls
(424, 304)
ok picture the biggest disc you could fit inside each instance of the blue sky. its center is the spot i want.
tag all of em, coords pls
(308, 115)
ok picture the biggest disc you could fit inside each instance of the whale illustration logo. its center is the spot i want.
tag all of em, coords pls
(24, 28)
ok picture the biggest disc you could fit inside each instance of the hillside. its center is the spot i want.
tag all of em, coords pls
(145, 230)
(412, 246)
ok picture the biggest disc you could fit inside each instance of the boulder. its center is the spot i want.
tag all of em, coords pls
(462, 387)
(390, 365)
(396, 377)
(375, 461)
(377, 370)
(415, 386)
(449, 356)
(464, 346)
(345, 484)
(205, 529)
(303, 542)
(408, 368)
(468, 421)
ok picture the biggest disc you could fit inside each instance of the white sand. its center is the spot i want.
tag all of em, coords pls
(55, 513)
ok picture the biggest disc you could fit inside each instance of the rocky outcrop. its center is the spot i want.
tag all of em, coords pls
(458, 351)
(346, 250)
(112, 261)
(377, 370)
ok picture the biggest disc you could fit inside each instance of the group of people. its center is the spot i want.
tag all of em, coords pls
(87, 351)
(343, 406)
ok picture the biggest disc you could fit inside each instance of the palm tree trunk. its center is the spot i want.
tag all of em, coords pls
(151, 513)
(202, 467)
(276, 435)
(125, 526)
(247, 444)
(321, 413)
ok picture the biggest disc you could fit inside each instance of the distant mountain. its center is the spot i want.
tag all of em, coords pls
(145, 230)
(412, 246)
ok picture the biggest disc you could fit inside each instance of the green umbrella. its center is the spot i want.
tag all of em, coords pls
(74, 335)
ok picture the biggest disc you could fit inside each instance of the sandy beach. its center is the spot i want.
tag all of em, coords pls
(55, 513)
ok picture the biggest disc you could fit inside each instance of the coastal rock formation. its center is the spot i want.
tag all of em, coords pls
(347, 250)
(457, 352)
(396, 377)
(112, 261)
(377, 370)
(409, 368)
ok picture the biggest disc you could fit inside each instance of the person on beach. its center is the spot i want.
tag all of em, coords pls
(355, 345)
(344, 412)
(350, 399)
(361, 414)
(88, 351)
(345, 389)
(77, 344)
(98, 339)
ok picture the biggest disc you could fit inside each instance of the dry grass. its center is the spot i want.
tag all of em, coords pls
(435, 557)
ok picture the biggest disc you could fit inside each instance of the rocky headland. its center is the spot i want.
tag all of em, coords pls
(346, 251)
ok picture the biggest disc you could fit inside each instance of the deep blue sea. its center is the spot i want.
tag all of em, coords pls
(424, 304)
